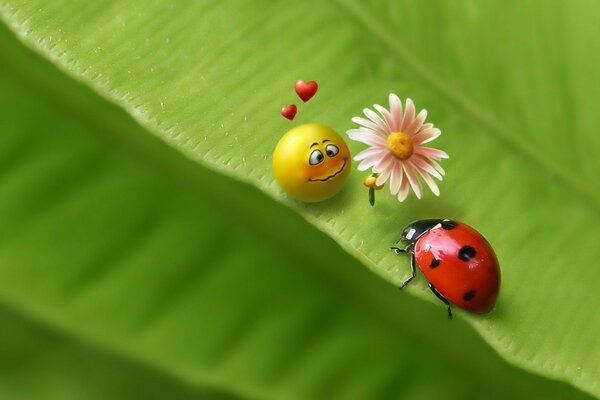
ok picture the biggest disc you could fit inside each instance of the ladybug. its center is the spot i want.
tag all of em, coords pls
(458, 262)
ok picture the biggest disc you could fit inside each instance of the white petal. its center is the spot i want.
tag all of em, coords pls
(369, 152)
(384, 175)
(372, 115)
(384, 135)
(432, 153)
(373, 159)
(436, 165)
(366, 137)
(385, 114)
(396, 112)
(423, 165)
(432, 185)
(368, 163)
(426, 126)
(384, 163)
(417, 123)
(428, 180)
(404, 189)
(413, 179)
(409, 115)
(396, 177)
(427, 136)
(366, 123)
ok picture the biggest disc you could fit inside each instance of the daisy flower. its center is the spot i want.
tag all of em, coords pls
(396, 150)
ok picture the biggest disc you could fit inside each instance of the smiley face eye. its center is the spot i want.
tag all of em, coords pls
(332, 150)
(316, 157)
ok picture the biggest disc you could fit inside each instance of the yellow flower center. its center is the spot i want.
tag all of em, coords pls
(400, 145)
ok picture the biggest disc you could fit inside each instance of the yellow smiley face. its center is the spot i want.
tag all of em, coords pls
(311, 162)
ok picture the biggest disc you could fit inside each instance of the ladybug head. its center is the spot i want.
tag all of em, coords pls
(416, 229)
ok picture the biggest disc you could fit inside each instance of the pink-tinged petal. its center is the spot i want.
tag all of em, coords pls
(366, 123)
(425, 167)
(373, 159)
(396, 177)
(432, 185)
(429, 152)
(429, 181)
(380, 151)
(384, 163)
(415, 126)
(404, 190)
(366, 137)
(386, 115)
(413, 179)
(425, 126)
(377, 132)
(368, 162)
(372, 115)
(396, 112)
(384, 174)
(437, 166)
(426, 136)
(409, 115)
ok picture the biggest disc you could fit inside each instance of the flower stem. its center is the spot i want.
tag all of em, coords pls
(372, 196)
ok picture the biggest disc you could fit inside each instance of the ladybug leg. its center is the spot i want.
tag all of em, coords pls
(442, 298)
(399, 250)
(413, 269)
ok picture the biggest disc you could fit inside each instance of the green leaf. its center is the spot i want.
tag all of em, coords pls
(38, 363)
(508, 83)
(126, 270)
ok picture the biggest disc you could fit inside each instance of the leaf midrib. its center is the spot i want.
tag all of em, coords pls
(379, 28)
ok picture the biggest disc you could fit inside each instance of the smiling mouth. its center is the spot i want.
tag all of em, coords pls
(331, 176)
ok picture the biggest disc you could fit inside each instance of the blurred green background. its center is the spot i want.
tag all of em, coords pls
(128, 270)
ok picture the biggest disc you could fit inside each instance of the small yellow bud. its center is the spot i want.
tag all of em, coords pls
(371, 182)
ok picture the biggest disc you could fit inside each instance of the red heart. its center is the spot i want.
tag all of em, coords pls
(289, 112)
(306, 90)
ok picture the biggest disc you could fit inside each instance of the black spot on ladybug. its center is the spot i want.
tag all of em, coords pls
(466, 253)
(469, 295)
(449, 225)
(434, 263)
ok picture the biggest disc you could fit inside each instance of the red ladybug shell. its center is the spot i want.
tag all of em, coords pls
(461, 265)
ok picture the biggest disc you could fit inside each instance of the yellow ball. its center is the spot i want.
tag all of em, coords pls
(311, 162)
